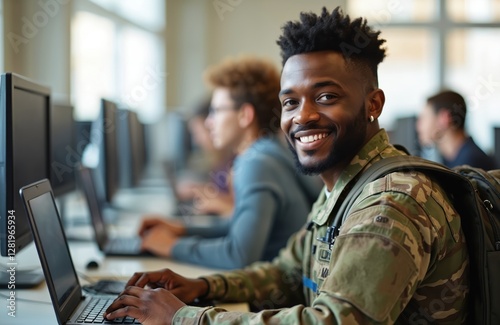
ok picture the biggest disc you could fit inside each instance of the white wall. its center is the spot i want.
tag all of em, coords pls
(37, 42)
(201, 33)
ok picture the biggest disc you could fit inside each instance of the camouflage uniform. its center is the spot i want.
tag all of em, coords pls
(400, 257)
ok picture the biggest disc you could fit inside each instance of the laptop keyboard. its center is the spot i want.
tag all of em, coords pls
(124, 245)
(93, 313)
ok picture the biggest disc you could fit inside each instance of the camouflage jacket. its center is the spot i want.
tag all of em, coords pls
(400, 257)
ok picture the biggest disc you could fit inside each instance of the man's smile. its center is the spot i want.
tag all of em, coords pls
(310, 139)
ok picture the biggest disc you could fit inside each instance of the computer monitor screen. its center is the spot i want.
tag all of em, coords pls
(64, 158)
(82, 137)
(180, 144)
(139, 147)
(404, 133)
(131, 145)
(24, 129)
(108, 167)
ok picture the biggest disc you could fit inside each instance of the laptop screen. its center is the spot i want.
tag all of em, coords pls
(58, 258)
(87, 182)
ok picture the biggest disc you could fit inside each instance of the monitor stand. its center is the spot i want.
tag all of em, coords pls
(23, 272)
(20, 279)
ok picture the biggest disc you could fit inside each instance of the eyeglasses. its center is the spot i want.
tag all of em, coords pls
(216, 110)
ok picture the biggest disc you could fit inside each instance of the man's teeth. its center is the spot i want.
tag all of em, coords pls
(311, 138)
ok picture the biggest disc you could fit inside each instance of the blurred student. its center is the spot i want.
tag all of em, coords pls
(271, 200)
(208, 180)
(442, 123)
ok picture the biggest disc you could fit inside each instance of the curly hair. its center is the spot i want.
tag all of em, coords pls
(358, 42)
(250, 80)
(451, 101)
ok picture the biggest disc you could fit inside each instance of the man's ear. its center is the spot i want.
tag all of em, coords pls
(375, 103)
(444, 120)
(246, 115)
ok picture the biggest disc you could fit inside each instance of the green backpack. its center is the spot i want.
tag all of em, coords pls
(475, 194)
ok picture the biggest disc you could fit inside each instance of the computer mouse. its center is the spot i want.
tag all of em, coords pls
(92, 265)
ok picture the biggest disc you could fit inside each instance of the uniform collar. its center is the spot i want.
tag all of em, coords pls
(373, 150)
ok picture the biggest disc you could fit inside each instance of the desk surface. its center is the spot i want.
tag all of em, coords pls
(33, 306)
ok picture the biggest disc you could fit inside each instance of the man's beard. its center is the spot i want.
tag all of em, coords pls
(342, 149)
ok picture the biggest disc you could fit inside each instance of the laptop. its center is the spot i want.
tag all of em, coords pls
(70, 304)
(111, 246)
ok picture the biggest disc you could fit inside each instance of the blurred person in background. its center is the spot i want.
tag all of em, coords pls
(207, 182)
(441, 123)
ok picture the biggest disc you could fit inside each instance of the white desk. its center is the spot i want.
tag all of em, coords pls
(33, 306)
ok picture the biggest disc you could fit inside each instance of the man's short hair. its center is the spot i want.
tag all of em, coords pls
(359, 44)
(451, 101)
(251, 80)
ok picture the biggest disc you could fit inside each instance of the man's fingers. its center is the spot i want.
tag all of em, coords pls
(126, 302)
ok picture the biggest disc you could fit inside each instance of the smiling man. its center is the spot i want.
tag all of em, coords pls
(399, 256)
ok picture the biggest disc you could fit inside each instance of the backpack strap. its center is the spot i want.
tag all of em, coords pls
(383, 167)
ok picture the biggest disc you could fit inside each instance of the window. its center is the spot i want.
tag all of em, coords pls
(439, 44)
(118, 53)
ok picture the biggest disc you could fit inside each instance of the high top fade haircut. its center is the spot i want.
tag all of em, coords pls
(358, 43)
(253, 80)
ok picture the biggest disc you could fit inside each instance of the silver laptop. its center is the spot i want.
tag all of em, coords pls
(70, 304)
(111, 246)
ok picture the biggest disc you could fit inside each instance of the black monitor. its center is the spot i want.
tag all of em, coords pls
(404, 133)
(139, 147)
(82, 137)
(63, 155)
(24, 147)
(104, 135)
(131, 148)
(180, 144)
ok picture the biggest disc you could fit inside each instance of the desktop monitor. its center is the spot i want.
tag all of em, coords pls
(104, 134)
(131, 148)
(82, 136)
(180, 144)
(63, 157)
(404, 133)
(24, 129)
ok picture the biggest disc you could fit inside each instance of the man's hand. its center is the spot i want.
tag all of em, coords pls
(159, 235)
(149, 306)
(159, 241)
(154, 297)
(183, 288)
(151, 221)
